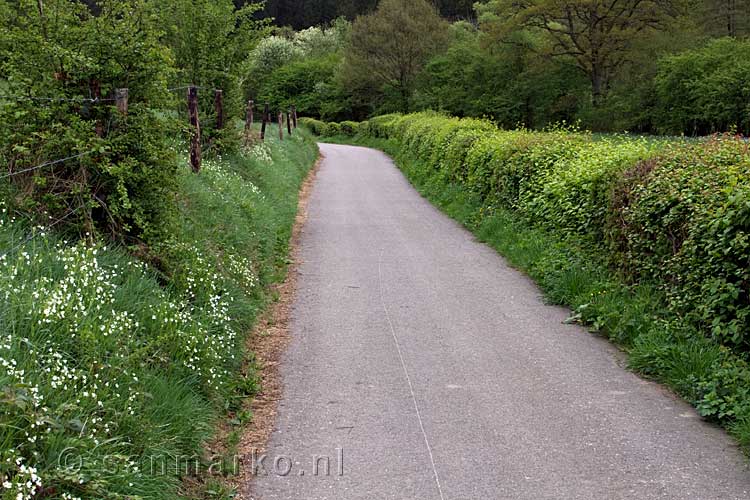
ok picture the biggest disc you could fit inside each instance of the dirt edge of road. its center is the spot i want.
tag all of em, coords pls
(268, 342)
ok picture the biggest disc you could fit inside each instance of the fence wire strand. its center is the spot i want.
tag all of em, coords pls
(56, 99)
(46, 164)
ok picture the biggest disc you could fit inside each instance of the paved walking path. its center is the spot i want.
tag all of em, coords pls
(438, 372)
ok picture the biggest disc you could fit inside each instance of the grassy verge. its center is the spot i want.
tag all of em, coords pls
(574, 273)
(114, 372)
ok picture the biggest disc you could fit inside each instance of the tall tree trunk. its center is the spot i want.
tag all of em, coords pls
(404, 91)
(597, 85)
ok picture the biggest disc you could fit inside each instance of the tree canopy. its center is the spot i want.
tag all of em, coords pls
(388, 48)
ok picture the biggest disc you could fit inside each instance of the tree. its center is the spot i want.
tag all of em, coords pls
(596, 34)
(705, 90)
(300, 14)
(388, 48)
(211, 41)
(723, 17)
(508, 83)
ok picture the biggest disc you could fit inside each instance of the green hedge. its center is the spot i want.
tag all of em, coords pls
(674, 213)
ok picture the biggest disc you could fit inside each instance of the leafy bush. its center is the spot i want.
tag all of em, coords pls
(331, 129)
(316, 126)
(316, 41)
(273, 52)
(705, 90)
(300, 83)
(682, 219)
(349, 128)
(123, 184)
(574, 195)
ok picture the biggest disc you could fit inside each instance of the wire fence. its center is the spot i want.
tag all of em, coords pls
(56, 99)
(185, 87)
(121, 100)
(46, 164)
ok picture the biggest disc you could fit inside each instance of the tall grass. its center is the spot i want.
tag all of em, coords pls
(113, 372)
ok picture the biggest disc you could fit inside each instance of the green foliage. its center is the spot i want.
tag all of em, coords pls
(509, 83)
(388, 48)
(332, 129)
(302, 69)
(211, 40)
(317, 41)
(596, 38)
(317, 127)
(349, 128)
(305, 84)
(123, 184)
(683, 219)
(113, 373)
(272, 53)
(574, 195)
(705, 90)
(120, 182)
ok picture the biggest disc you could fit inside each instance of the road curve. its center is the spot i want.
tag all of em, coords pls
(436, 371)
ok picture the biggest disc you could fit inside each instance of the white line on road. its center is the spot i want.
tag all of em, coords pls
(406, 374)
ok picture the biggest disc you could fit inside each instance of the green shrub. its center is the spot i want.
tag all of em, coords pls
(317, 127)
(123, 186)
(574, 195)
(705, 90)
(380, 125)
(331, 129)
(683, 219)
(299, 83)
(349, 128)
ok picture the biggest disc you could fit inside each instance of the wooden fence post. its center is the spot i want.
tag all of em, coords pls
(249, 121)
(266, 119)
(294, 115)
(121, 101)
(195, 142)
(289, 122)
(219, 106)
(281, 125)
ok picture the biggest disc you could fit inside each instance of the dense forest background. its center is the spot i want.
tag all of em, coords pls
(647, 66)
(301, 14)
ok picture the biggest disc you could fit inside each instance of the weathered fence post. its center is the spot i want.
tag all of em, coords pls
(289, 121)
(294, 115)
(281, 126)
(249, 121)
(219, 106)
(195, 140)
(121, 101)
(266, 119)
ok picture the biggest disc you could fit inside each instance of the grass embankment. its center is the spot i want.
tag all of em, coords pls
(114, 373)
(645, 240)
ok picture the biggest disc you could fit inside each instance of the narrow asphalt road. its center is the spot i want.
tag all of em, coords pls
(423, 367)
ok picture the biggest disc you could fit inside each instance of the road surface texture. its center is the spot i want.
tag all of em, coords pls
(436, 371)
